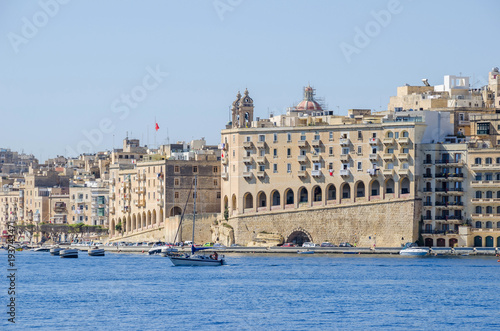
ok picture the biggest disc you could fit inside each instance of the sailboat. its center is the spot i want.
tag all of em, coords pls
(193, 259)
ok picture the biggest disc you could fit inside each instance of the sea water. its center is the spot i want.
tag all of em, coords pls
(254, 292)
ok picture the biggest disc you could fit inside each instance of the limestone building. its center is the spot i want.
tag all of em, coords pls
(312, 176)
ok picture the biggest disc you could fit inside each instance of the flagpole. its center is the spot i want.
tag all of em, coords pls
(156, 147)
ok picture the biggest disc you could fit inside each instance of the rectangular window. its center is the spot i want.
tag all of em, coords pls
(330, 135)
(483, 128)
(359, 150)
(396, 135)
(330, 166)
(262, 167)
(345, 150)
(195, 169)
(390, 150)
(234, 138)
(288, 152)
(289, 137)
(289, 167)
(360, 135)
(303, 167)
(216, 182)
(233, 153)
(176, 169)
(248, 138)
(262, 137)
(216, 169)
(275, 137)
(330, 151)
(176, 181)
(275, 153)
(275, 168)
(176, 195)
(406, 150)
(262, 152)
(316, 150)
(360, 166)
(218, 195)
(302, 136)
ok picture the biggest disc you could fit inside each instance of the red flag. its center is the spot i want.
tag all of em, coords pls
(157, 127)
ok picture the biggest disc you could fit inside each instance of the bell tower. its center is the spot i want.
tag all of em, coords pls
(235, 111)
(245, 111)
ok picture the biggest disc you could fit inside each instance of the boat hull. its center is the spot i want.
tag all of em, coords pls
(193, 262)
(414, 252)
(96, 252)
(55, 251)
(68, 253)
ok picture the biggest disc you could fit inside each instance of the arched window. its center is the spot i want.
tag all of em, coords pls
(478, 225)
(346, 191)
(360, 190)
(489, 225)
(331, 192)
(405, 186)
(498, 225)
(390, 134)
(489, 195)
(289, 199)
(489, 210)
(498, 160)
(405, 134)
(389, 186)
(479, 194)
(478, 210)
(498, 194)
(477, 160)
(303, 195)
(488, 160)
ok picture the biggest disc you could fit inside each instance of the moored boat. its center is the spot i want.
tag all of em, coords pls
(55, 250)
(70, 253)
(96, 251)
(41, 249)
(412, 249)
(305, 252)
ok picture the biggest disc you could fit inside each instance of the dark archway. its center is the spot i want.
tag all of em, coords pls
(175, 211)
(441, 242)
(299, 237)
(453, 242)
(429, 242)
(489, 241)
(478, 241)
(275, 196)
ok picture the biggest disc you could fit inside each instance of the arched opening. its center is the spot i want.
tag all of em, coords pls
(303, 195)
(148, 223)
(405, 186)
(317, 196)
(489, 195)
(161, 215)
(139, 223)
(375, 188)
(233, 202)
(129, 223)
(429, 242)
(261, 200)
(489, 225)
(428, 187)
(389, 186)
(143, 220)
(498, 241)
(112, 227)
(331, 192)
(360, 189)
(134, 223)
(453, 242)
(478, 225)
(441, 242)
(226, 203)
(299, 237)
(174, 211)
(275, 198)
(248, 201)
(478, 241)
(489, 241)
(346, 191)
(289, 199)
(153, 219)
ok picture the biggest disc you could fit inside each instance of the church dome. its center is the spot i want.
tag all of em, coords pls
(308, 104)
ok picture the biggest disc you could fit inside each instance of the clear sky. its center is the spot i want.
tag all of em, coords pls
(77, 75)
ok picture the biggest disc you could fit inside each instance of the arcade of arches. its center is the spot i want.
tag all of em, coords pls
(137, 222)
(319, 195)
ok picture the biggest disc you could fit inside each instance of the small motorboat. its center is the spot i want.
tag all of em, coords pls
(41, 249)
(96, 251)
(305, 252)
(70, 253)
(412, 249)
(156, 250)
(55, 250)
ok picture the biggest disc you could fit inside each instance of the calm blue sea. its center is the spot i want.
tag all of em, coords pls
(254, 292)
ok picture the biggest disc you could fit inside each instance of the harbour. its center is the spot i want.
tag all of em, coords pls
(257, 291)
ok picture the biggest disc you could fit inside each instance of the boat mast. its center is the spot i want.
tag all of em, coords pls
(194, 205)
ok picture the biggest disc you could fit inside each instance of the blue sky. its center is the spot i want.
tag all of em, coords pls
(62, 84)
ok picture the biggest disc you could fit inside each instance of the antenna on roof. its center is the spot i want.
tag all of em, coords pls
(426, 82)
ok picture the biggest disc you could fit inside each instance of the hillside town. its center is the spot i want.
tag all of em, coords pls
(425, 170)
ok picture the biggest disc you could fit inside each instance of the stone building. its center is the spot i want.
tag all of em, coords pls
(312, 176)
(144, 194)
